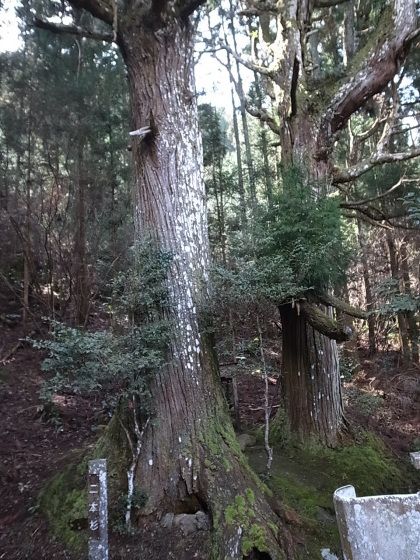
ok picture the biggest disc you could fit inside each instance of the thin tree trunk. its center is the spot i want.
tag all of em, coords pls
(27, 248)
(245, 128)
(81, 290)
(413, 329)
(241, 187)
(264, 149)
(368, 288)
(402, 326)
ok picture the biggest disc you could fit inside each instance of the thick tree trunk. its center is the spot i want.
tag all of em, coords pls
(313, 400)
(189, 456)
(311, 381)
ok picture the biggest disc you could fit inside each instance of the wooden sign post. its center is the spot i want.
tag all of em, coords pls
(98, 511)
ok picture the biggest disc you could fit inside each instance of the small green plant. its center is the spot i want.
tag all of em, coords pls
(122, 362)
(348, 367)
(392, 300)
(136, 501)
(411, 203)
(367, 404)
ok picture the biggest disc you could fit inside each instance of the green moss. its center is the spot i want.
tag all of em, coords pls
(305, 478)
(230, 515)
(213, 447)
(300, 497)
(366, 464)
(65, 498)
(228, 434)
(216, 519)
(250, 496)
(227, 465)
(65, 503)
(256, 539)
(113, 446)
(280, 432)
(241, 514)
(376, 38)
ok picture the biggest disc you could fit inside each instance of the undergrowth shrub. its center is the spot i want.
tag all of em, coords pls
(123, 360)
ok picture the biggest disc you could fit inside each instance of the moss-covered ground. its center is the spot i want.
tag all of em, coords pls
(304, 479)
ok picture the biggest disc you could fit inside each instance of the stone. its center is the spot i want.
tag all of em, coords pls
(191, 522)
(328, 555)
(245, 440)
(415, 459)
(167, 520)
(324, 516)
(202, 521)
(186, 522)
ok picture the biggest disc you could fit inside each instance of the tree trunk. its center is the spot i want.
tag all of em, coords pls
(311, 373)
(368, 288)
(311, 381)
(268, 181)
(241, 187)
(412, 326)
(245, 128)
(402, 326)
(189, 456)
(81, 280)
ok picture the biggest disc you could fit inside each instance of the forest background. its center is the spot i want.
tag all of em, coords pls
(312, 198)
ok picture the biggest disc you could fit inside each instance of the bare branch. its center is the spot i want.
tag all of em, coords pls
(101, 9)
(257, 8)
(378, 158)
(359, 138)
(264, 117)
(371, 212)
(382, 195)
(363, 218)
(389, 46)
(328, 3)
(72, 30)
(248, 64)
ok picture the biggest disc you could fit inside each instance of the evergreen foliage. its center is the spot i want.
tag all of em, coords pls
(306, 229)
(300, 245)
(411, 203)
(121, 362)
(392, 301)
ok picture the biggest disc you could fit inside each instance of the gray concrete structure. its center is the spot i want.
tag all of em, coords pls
(378, 527)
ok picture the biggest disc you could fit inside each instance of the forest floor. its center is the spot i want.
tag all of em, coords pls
(35, 442)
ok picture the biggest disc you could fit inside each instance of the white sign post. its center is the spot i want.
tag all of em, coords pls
(98, 511)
